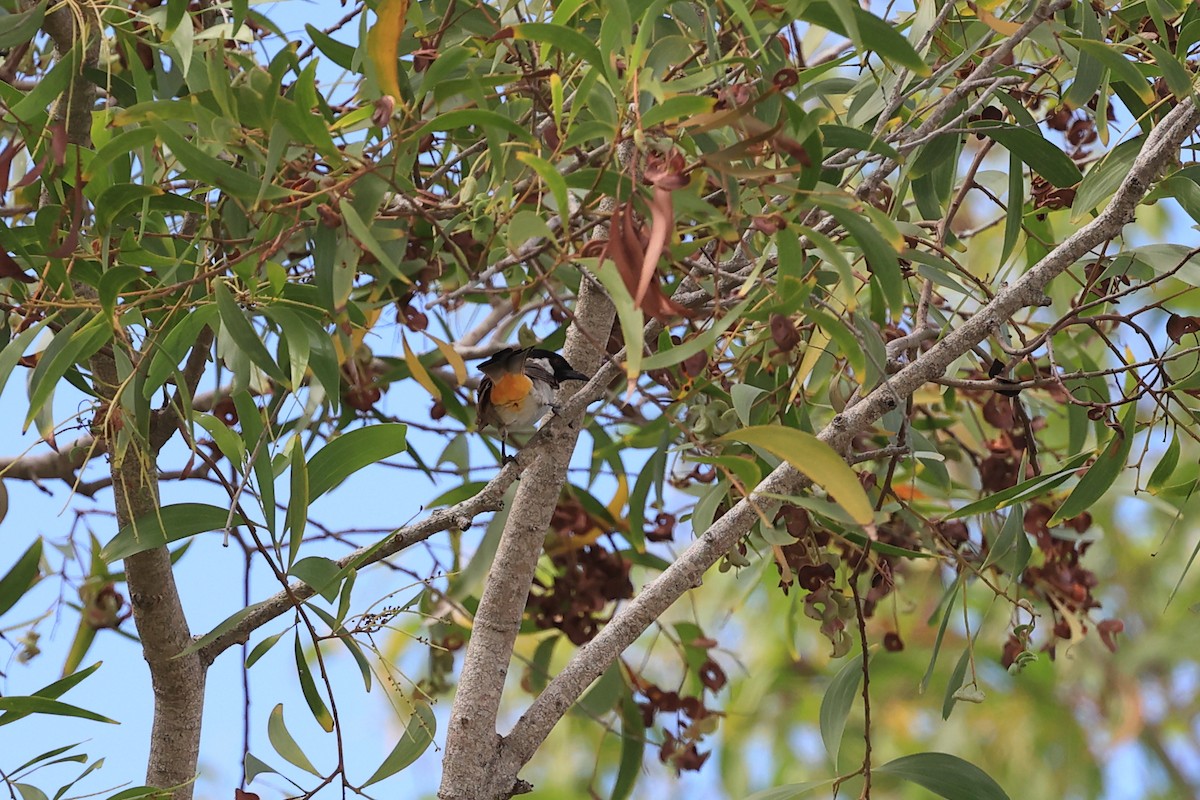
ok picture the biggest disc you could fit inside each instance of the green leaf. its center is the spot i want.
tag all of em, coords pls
(873, 34)
(243, 334)
(945, 775)
(281, 739)
(30, 792)
(16, 348)
(789, 791)
(1104, 177)
(1177, 78)
(946, 607)
(171, 349)
(678, 107)
(308, 687)
(141, 793)
(474, 117)
(352, 451)
(815, 460)
(115, 199)
(211, 170)
(743, 396)
(119, 146)
(838, 137)
(1042, 156)
(1103, 472)
(21, 577)
(881, 255)
(566, 39)
(70, 346)
(115, 279)
(321, 575)
(17, 29)
(44, 705)
(603, 696)
(297, 509)
(836, 704)
(955, 683)
(633, 746)
(33, 109)
(49, 754)
(1022, 491)
(1011, 550)
(262, 648)
(228, 624)
(628, 315)
(1164, 470)
(701, 342)
(364, 667)
(1122, 69)
(338, 52)
(52, 692)
(362, 232)
(552, 178)
(415, 740)
(1014, 214)
(165, 525)
(1089, 72)
(255, 766)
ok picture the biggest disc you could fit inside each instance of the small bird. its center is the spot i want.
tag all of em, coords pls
(518, 387)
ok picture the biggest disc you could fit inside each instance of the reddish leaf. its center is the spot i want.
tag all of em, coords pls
(1178, 327)
(784, 333)
(1108, 629)
(71, 241)
(662, 219)
(6, 158)
(58, 143)
(33, 174)
(11, 269)
(627, 250)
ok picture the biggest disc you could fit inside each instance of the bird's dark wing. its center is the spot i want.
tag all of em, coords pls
(537, 372)
(486, 411)
(502, 360)
(563, 371)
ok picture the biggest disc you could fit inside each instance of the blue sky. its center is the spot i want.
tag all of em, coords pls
(210, 579)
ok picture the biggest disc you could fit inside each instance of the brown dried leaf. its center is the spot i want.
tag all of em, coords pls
(662, 220)
(9, 268)
(1178, 327)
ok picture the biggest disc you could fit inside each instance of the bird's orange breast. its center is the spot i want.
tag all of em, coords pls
(511, 389)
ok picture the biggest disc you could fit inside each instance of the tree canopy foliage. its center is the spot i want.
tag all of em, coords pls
(883, 478)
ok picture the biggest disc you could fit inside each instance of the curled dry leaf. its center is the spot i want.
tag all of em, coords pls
(1108, 629)
(1178, 327)
(9, 268)
(626, 249)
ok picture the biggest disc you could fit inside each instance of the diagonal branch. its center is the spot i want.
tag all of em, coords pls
(590, 661)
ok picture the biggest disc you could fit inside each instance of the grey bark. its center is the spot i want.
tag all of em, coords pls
(472, 743)
(178, 683)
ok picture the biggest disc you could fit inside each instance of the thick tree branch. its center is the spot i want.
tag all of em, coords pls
(688, 570)
(178, 682)
(472, 743)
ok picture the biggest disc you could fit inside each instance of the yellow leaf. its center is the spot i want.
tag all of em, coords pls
(453, 359)
(620, 498)
(817, 342)
(360, 332)
(419, 373)
(815, 460)
(383, 44)
(999, 26)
